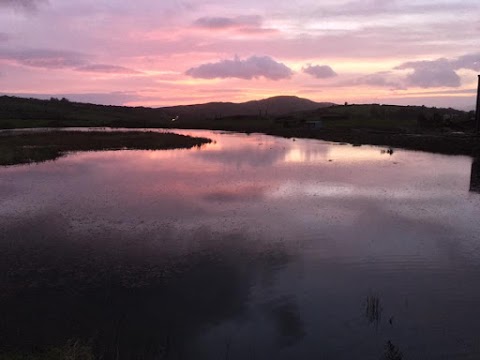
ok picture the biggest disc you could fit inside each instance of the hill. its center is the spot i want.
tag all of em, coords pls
(274, 106)
(252, 116)
(24, 112)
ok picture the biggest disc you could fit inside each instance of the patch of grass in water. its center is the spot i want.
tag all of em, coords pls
(26, 148)
(392, 352)
(373, 310)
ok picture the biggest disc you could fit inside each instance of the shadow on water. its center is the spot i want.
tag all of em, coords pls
(289, 326)
(475, 176)
(127, 299)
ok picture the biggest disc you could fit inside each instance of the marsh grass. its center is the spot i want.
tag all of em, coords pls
(392, 352)
(373, 310)
(31, 147)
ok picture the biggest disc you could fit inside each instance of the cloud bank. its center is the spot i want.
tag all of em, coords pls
(439, 72)
(253, 67)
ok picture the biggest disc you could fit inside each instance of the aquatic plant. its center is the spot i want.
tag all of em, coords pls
(373, 310)
(392, 352)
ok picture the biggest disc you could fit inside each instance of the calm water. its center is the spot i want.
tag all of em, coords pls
(252, 247)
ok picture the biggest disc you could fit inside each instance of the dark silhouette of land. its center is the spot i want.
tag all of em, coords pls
(29, 147)
(442, 130)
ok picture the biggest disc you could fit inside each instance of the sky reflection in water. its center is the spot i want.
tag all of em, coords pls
(250, 247)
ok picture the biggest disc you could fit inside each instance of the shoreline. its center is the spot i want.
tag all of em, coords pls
(447, 144)
(442, 143)
(34, 147)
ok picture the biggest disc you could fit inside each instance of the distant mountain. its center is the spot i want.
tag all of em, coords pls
(274, 106)
(27, 112)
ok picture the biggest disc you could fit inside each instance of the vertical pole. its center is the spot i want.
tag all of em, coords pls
(475, 176)
(477, 111)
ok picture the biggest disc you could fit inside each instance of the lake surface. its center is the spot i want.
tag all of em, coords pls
(252, 247)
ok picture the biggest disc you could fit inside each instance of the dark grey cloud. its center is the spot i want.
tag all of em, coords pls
(250, 68)
(319, 71)
(44, 58)
(106, 69)
(229, 22)
(28, 5)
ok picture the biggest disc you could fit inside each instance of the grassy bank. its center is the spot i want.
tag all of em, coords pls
(448, 143)
(23, 148)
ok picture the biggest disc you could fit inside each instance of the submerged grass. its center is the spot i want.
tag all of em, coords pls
(31, 147)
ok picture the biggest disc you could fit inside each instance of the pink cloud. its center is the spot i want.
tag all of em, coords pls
(469, 61)
(107, 69)
(226, 22)
(374, 8)
(247, 25)
(379, 79)
(43, 58)
(319, 71)
(28, 5)
(251, 68)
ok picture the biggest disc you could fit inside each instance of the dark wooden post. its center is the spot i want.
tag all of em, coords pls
(477, 111)
(475, 176)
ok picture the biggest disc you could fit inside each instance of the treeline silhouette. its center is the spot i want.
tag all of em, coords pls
(16, 112)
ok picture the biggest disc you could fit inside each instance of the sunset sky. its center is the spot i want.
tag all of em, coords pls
(168, 52)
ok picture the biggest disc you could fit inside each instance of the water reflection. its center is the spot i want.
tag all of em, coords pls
(126, 297)
(251, 247)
